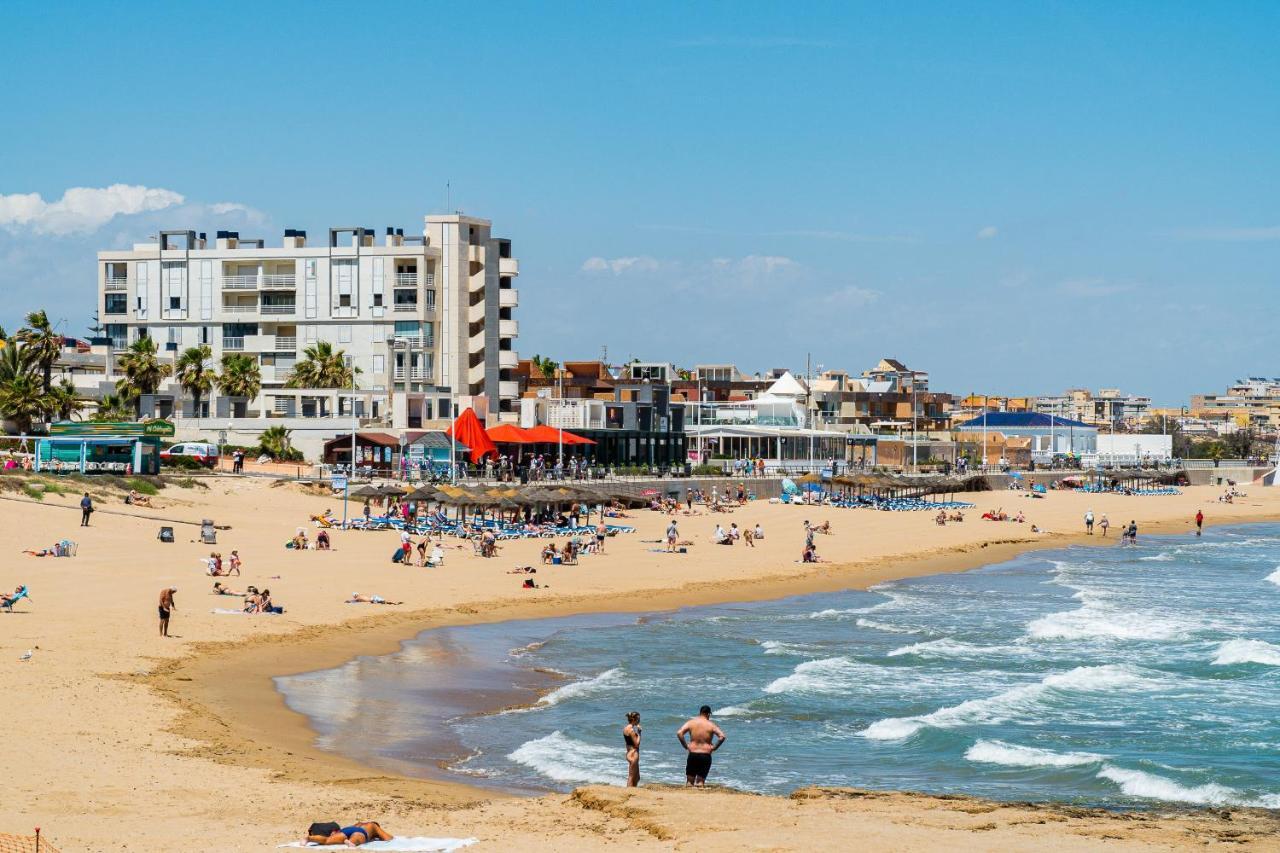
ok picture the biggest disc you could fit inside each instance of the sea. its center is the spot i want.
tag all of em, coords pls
(1116, 676)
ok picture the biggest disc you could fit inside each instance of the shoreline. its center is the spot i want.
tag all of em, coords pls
(230, 705)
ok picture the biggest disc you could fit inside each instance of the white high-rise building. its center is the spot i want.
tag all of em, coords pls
(427, 318)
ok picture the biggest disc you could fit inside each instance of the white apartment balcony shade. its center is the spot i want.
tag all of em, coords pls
(509, 388)
(508, 297)
(508, 329)
(508, 267)
(508, 359)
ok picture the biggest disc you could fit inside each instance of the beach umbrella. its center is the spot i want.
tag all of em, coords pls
(366, 491)
(467, 430)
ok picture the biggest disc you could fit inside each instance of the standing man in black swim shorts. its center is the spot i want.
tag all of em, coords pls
(702, 742)
(167, 605)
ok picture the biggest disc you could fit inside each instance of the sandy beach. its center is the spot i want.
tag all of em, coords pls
(134, 742)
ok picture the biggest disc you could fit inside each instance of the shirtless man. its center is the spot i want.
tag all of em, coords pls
(702, 742)
(166, 606)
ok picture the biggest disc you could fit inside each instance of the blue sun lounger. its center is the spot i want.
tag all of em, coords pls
(8, 601)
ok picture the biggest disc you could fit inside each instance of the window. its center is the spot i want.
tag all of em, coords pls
(379, 364)
(377, 300)
(175, 303)
(344, 300)
(406, 328)
(119, 335)
(117, 303)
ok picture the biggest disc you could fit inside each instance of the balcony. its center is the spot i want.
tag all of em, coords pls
(508, 267)
(475, 254)
(416, 374)
(476, 312)
(280, 309)
(508, 389)
(279, 282)
(415, 341)
(241, 308)
(508, 329)
(239, 282)
(405, 308)
(407, 279)
(508, 359)
(117, 284)
(233, 344)
(286, 344)
(508, 297)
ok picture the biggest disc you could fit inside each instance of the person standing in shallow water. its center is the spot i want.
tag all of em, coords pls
(631, 737)
(702, 742)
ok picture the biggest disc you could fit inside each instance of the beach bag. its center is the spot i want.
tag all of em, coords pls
(165, 534)
(398, 556)
(326, 829)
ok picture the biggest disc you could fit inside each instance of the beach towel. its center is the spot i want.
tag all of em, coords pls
(405, 843)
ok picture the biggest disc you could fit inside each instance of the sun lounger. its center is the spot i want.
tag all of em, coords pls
(7, 601)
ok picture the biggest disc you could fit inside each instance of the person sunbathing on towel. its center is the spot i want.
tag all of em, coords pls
(353, 835)
(219, 589)
(51, 551)
(357, 598)
(138, 499)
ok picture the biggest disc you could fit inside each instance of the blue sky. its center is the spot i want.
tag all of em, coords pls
(1015, 198)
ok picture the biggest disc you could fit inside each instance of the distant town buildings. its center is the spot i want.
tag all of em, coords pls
(1252, 402)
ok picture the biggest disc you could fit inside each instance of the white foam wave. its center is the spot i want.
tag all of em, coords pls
(1098, 619)
(580, 688)
(1247, 651)
(831, 613)
(827, 675)
(948, 648)
(885, 626)
(776, 647)
(1274, 577)
(1163, 557)
(1136, 783)
(735, 711)
(1012, 755)
(564, 759)
(1012, 702)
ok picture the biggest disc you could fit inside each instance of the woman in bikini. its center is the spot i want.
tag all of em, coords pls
(631, 738)
(353, 835)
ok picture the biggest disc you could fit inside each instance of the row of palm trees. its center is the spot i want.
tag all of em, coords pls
(28, 392)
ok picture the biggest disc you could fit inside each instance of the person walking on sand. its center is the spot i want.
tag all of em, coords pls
(167, 605)
(631, 738)
(601, 532)
(1199, 522)
(1104, 523)
(1088, 522)
(86, 509)
(702, 742)
(673, 534)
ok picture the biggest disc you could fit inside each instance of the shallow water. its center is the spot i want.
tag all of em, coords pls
(1113, 676)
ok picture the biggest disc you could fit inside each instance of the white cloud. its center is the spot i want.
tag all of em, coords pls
(988, 232)
(618, 266)
(765, 264)
(81, 209)
(251, 214)
(851, 296)
(1231, 235)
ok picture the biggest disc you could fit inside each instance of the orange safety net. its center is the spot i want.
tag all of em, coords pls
(25, 844)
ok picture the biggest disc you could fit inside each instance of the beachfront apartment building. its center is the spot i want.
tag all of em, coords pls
(1108, 406)
(427, 318)
(1250, 402)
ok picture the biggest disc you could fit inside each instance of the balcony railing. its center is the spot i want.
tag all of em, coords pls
(406, 279)
(286, 344)
(413, 340)
(240, 309)
(279, 309)
(406, 307)
(232, 344)
(286, 280)
(239, 282)
(117, 284)
(415, 373)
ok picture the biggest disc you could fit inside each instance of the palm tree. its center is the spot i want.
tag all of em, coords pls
(546, 367)
(113, 407)
(13, 361)
(42, 343)
(143, 371)
(64, 400)
(194, 374)
(22, 400)
(241, 376)
(275, 442)
(322, 367)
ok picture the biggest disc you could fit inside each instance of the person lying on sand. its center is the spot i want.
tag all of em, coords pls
(824, 527)
(219, 589)
(352, 836)
(51, 551)
(523, 570)
(357, 598)
(138, 499)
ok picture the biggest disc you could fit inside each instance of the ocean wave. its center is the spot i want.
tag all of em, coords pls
(776, 647)
(580, 688)
(949, 648)
(1149, 786)
(1247, 651)
(563, 759)
(827, 675)
(1012, 755)
(1274, 577)
(885, 626)
(735, 711)
(1013, 702)
(1163, 557)
(1096, 619)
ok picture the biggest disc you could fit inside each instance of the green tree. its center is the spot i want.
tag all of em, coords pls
(1183, 446)
(43, 345)
(322, 367)
(241, 376)
(22, 400)
(113, 407)
(276, 442)
(1240, 443)
(143, 371)
(13, 361)
(64, 401)
(194, 374)
(546, 366)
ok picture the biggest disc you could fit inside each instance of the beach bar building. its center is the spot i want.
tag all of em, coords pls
(1050, 436)
(102, 448)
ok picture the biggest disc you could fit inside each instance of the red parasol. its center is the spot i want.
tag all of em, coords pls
(550, 435)
(509, 434)
(467, 430)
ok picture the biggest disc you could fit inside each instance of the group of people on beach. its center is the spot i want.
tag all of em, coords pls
(1128, 534)
(699, 737)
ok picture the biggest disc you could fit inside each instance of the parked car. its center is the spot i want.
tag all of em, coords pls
(205, 454)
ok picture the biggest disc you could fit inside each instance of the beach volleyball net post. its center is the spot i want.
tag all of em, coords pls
(25, 843)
